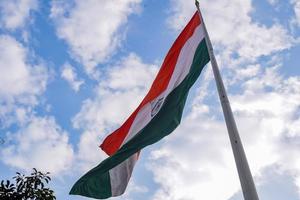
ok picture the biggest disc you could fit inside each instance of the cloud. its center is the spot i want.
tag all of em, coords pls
(130, 73)
(68, 73)
(21, 83)
(41, 144)
(273, 2)
(296, 19)
(120, 91)
(193, 162)
(92, 29)
(232, 29)
(16, 13)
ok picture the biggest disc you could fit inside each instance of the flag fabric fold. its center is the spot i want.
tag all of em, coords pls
(157, 115)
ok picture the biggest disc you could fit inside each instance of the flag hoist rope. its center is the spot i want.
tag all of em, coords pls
(246, 180)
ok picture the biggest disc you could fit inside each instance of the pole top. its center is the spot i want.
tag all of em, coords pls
(197, 3)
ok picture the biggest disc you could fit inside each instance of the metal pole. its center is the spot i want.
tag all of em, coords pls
(246, 180)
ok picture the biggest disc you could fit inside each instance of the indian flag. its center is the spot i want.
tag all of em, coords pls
(157, 115)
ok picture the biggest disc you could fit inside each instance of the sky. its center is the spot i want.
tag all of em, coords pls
(72, 71)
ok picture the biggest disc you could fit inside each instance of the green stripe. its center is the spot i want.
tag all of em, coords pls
(164, 122)
(95, 186)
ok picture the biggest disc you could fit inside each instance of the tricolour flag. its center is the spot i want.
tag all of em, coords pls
(157, 115)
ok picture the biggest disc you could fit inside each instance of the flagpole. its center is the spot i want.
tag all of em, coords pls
(245, 176)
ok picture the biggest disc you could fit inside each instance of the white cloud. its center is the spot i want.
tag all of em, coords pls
(41, 144)
(123, 86)
(68, 73)
(16, 13)
(273, 2)
(194, 162)
(130, 73)
(232, 29)
(92, 28)
(296, 5)
(21, 83)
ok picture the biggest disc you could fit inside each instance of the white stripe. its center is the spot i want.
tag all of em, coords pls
(185, 58)
(141, 120)
(181, 70)
(120, 175)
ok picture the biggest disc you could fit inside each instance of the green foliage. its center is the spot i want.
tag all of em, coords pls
(32, 187)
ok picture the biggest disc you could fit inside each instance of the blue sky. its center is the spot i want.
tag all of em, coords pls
(72, 71)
